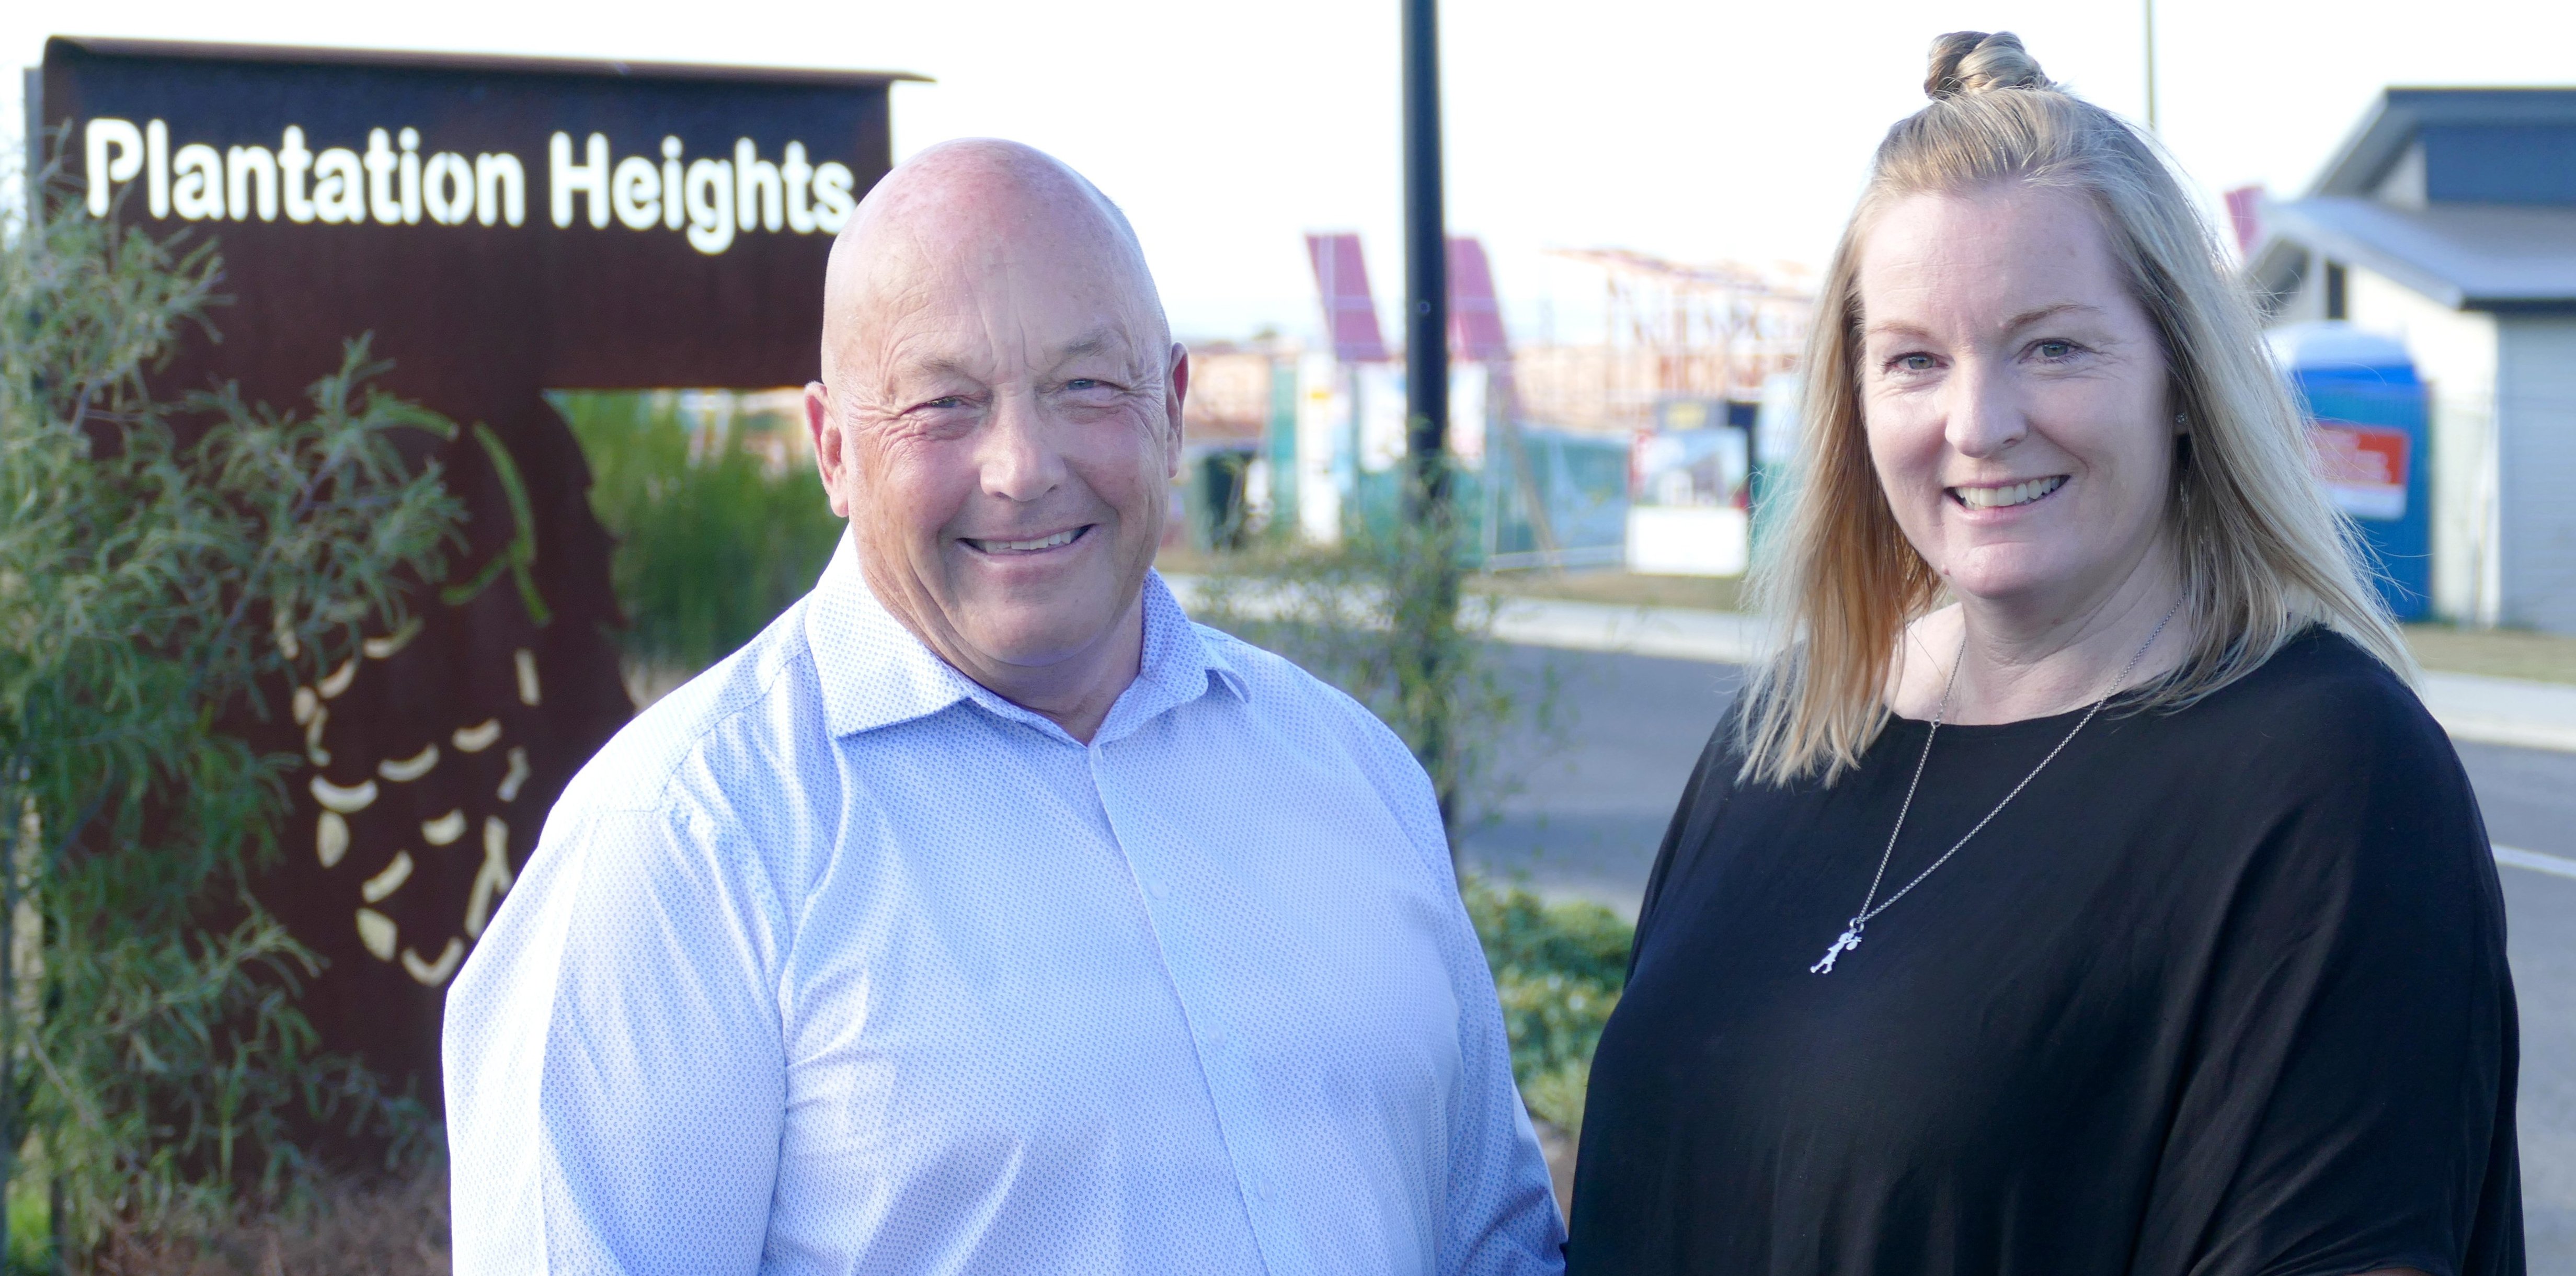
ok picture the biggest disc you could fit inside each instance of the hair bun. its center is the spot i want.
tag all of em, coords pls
(1976, 62)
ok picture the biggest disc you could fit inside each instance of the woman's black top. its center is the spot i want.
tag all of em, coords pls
(2223, 991)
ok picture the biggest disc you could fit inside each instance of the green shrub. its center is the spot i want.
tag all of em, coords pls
(1558, 969)
(712, 541)
(165, 567)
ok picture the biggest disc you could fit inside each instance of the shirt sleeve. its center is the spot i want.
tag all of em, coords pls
(1502, 1217)
(614, 1068)
(2347, 1105)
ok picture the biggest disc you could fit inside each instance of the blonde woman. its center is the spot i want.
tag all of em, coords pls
(2082, 890)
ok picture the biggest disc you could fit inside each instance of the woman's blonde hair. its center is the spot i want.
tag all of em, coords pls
(2262, 555)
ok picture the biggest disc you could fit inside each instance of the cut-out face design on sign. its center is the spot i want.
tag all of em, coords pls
(426, 959)
(332, 837)
(432, 754)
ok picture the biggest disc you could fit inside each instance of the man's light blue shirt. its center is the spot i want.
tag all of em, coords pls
(835, 961)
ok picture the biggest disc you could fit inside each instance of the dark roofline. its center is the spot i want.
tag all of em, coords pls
(2358, 165)
(477, 63)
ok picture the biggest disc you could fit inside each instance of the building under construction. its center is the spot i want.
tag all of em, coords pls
(1568, 455)
(1671, 333)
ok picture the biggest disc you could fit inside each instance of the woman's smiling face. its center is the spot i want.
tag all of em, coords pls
(2015, 396)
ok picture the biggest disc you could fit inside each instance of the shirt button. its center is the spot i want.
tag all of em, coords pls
(1269, 1190)
(1215, 1038)
(1160, 891)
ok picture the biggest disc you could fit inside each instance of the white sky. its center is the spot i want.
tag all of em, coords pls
(1690, 130)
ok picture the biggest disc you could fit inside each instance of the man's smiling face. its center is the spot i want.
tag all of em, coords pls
(1004, 409)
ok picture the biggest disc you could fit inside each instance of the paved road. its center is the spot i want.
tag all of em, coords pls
(1593, 801)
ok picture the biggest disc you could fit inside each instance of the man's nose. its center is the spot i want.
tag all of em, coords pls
(1982, 416)
(1018, 459)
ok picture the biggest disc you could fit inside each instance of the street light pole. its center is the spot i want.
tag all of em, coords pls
(1423, 593)
(2151, 66)
(1426, 265)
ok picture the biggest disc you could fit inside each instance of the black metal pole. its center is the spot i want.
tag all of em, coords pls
(1426, 262)
(1426, 589)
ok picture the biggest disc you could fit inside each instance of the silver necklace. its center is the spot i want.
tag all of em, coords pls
(1871, 906)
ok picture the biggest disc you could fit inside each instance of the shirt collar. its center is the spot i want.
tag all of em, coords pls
(874, 672)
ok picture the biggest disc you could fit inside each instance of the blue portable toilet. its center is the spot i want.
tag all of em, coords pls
(2366, 417)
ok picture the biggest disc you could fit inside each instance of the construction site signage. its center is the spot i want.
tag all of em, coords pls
(499, 228)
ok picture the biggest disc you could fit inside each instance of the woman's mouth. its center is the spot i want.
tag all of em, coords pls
(2008, 495)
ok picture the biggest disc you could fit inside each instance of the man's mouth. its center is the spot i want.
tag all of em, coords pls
(1991, 498)
(1033, 545)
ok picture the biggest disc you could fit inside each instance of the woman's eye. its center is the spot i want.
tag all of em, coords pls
(1914, 362)
(2053, 350)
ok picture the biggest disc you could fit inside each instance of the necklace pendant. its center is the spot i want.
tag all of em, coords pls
(1849, 940)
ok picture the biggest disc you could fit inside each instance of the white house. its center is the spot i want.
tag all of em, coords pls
(2448, 221)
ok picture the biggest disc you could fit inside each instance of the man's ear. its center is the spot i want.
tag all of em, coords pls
(1175, 395)
(831, 457)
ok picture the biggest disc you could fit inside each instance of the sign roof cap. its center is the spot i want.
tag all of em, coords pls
(478, 63)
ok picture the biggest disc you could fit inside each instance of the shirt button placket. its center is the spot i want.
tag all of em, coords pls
(1260, 1191)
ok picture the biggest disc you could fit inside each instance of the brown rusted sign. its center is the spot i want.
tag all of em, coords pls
(504, 226)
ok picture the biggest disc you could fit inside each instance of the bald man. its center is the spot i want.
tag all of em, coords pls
(984, 914)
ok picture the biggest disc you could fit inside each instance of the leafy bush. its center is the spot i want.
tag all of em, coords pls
(712, 541)
(1558, 969)
(163, 568)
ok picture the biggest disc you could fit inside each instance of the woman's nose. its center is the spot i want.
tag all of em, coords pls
(1983, 417)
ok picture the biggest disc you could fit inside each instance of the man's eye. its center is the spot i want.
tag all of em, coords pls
(2054, 350)
(1085, 383)
(947, 401)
